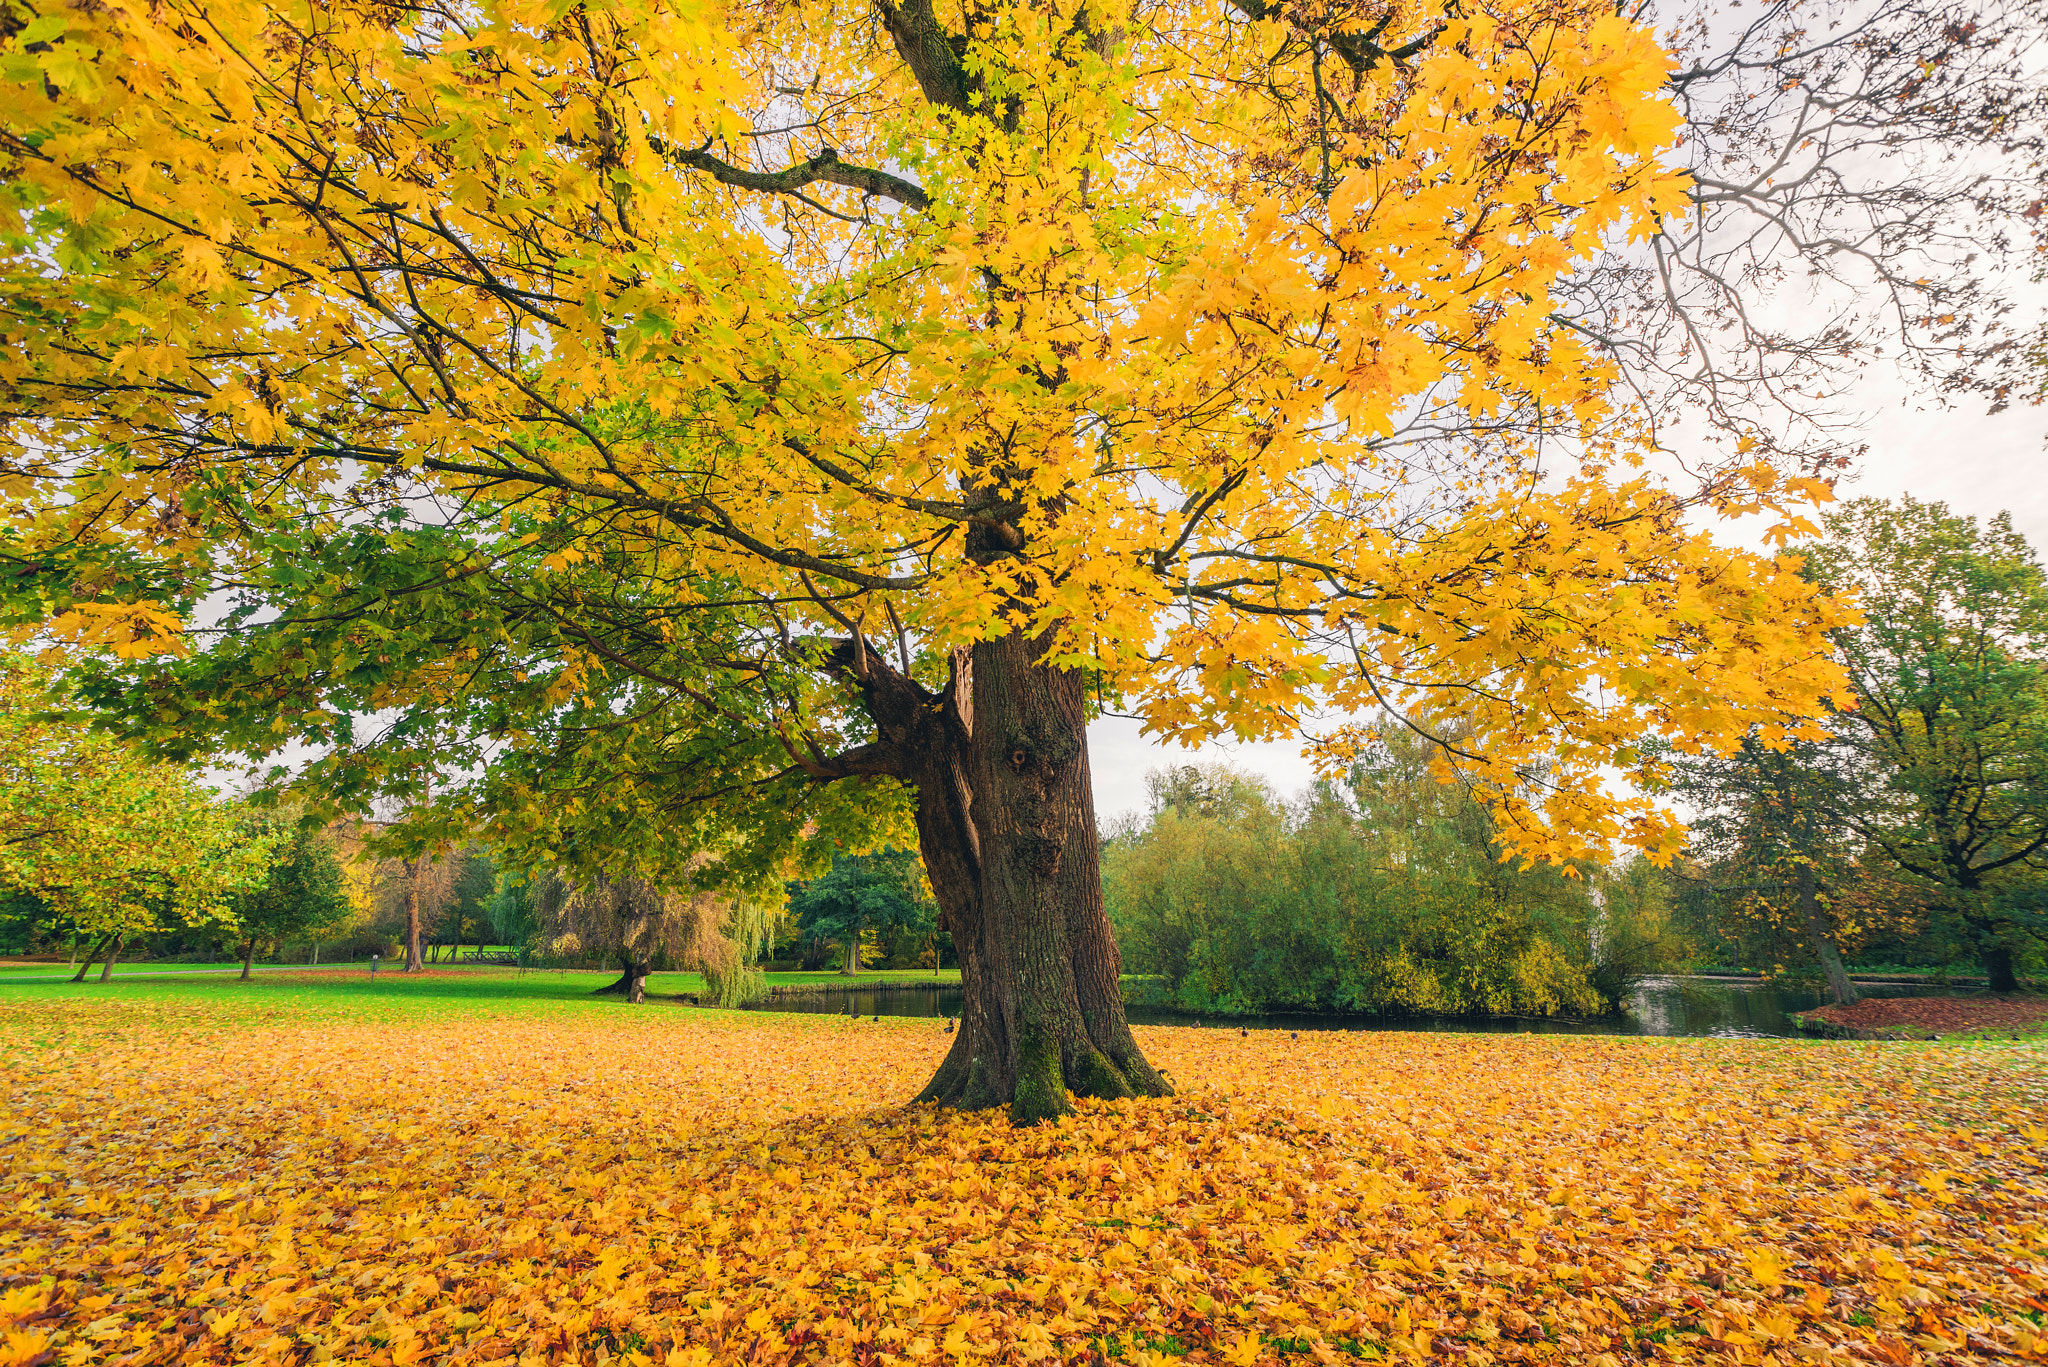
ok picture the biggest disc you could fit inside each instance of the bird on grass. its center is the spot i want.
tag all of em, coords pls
(949, 1025)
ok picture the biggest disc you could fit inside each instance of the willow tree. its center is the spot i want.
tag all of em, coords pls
(635, 920)
(678, 426)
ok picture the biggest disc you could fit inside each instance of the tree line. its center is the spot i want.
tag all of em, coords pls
(1909, 825)
(105, 852)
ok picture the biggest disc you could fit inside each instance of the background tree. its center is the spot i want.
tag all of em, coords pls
(1387, 898)
(1951, 710)
(883, 891)
(1774, 830)
(109, 844)
(413, 883)
(301, 892)
(635, 921)
(476, 881)
(511, 913)
(1158, 368)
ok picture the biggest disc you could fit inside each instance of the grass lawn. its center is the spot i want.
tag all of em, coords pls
(579, 980)
(475, 1167)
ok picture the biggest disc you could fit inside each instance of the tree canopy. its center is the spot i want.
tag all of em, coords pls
(1125, 349)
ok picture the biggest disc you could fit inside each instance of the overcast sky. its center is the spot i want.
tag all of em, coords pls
(1978, 465)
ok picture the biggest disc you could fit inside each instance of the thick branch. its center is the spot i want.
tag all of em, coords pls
(927, 48)
(825, 166)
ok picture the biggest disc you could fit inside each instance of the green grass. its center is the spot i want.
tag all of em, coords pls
(674, 983)
(26, 972)
(330, 995)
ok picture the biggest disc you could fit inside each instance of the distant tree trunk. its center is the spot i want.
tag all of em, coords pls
(113, 956)
(92, 952)
(811, 957)
(852, 964)
(1998, 968)
(413, 962)
(1006, 824)
(632, 980)
(1823, 941)
(248, 956)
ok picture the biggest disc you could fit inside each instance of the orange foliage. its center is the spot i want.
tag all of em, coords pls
(674, 1186)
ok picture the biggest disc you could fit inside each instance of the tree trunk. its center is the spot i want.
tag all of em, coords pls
(1998, 968)
(1823, 942)
(113, 956)
(248, 957)
(413, 962)
(1006, 824)
(632, 980)
(92, 952)
(852, 962)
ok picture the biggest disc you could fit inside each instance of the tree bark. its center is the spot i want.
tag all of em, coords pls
(851, 964)
(1823, 942)
(413, 962)
(248, 957)
(113, 956)
(1998, 969)
(1006, 824)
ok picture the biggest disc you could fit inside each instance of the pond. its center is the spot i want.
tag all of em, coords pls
(1729, 1008)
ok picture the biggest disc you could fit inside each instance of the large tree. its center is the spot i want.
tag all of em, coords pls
(678, 428)
(862, 892)
(1774, 829)
(1950, 668)
(301, 891)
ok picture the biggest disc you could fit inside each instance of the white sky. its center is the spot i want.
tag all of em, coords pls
(1979, 465)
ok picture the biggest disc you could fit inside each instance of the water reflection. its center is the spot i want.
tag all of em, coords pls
(1718, 1007)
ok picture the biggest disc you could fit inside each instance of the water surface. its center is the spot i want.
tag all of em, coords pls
(1718, 1007)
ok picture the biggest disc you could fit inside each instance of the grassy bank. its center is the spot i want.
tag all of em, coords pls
(350, 992)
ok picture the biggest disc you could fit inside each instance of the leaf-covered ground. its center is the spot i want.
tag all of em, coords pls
(1937, 1015)
(674, 1186)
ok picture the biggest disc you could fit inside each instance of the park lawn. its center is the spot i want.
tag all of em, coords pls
(660, 984)
(277, 1171)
